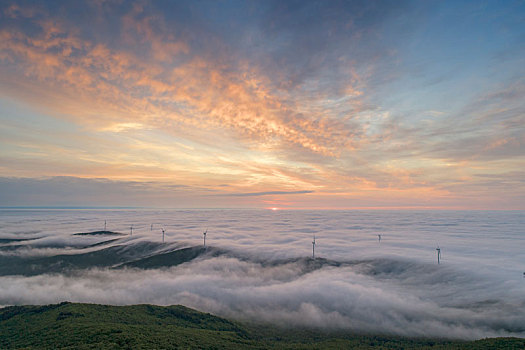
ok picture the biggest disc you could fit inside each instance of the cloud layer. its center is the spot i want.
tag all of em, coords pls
(258, 268)
(349, 100)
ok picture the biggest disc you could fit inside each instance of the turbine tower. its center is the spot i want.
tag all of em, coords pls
(104, 225)
(438, 254)
(163, 235)
(131, 230)
(204, 236)
(313, 248)
(379, 237)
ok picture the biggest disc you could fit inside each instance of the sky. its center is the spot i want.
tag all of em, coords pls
(263, 104)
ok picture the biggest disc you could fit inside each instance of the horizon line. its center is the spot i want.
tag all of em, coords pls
(402, 208)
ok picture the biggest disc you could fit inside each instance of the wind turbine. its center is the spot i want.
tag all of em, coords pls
(204, 235)
(131, 230)
(313, 248)
(379, 236)
(104, 225)
(163, 235)
(439, 254)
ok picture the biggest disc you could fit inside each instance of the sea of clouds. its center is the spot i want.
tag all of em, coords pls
(258, 266)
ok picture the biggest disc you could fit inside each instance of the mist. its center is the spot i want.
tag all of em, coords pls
(268, 276)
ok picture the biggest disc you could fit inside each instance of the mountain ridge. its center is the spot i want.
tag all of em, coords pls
(92, 326)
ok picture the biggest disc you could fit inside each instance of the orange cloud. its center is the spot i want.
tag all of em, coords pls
(205, 93)
(169, 113)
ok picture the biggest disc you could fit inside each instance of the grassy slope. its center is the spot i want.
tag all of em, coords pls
(88, 326)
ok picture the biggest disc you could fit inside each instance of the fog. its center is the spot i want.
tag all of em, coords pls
(258, 267)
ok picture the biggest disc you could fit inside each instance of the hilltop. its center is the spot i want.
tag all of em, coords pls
(89, 326)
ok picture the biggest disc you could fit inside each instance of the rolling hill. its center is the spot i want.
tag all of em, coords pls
(89, 326)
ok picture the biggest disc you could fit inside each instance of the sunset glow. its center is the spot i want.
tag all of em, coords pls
(262, 104)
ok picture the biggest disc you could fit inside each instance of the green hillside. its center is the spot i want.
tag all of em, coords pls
(88, 326)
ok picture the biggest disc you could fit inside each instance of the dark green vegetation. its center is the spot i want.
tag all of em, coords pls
(15, 240)
(139, 255)
(99, 233)
(171, 258)
(88, 326)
